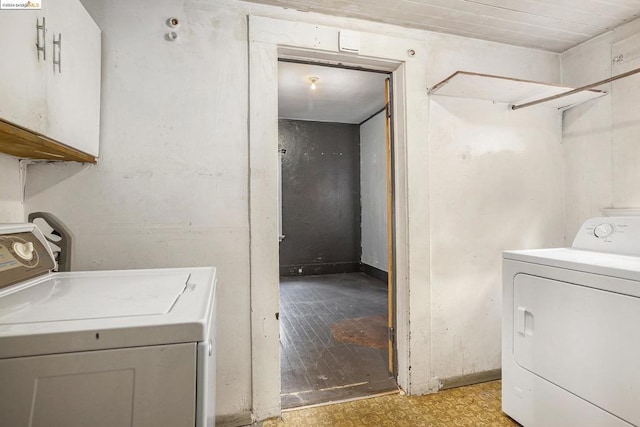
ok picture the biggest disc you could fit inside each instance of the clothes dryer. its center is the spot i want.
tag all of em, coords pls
(571, 329)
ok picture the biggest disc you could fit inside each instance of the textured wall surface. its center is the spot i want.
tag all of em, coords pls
(11, 207)
(600, 138)
(320, 197)
(496, 185)
(170, 188)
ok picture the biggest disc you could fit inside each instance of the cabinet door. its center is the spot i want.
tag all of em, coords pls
(22, 75)
(142, 386)
(73, 89)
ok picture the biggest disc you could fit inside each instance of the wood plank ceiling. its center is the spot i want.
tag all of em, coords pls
(552, 25)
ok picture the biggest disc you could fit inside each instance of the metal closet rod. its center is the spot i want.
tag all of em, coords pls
(580, 89)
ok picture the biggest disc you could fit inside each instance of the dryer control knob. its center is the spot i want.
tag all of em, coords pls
(24, 250)
(603, 230)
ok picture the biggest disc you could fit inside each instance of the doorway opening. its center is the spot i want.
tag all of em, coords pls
(336, 233)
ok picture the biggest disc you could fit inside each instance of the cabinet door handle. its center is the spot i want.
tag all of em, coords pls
(41, 46)
(57, 62)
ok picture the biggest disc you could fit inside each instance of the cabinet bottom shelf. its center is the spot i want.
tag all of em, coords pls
(23, 143)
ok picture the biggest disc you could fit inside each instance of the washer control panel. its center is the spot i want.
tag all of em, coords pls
(23, 255)
(619, 235)
(603, 230)
(24, 250)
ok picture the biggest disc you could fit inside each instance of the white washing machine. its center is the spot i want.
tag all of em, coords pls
(571, 329)
(104, 348)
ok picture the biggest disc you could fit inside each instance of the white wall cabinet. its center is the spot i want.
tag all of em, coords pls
(54, 94)
(22, 81)
(73, 89)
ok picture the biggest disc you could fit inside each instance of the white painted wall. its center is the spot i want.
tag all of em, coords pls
(171, 185)
(373, 192)
(587, 136)
(11, 206)
(496, 184)
(600, 138)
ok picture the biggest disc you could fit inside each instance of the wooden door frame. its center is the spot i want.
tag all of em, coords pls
(391, 260)
(269, 40)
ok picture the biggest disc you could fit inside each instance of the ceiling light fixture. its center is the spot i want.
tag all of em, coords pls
(313, 81)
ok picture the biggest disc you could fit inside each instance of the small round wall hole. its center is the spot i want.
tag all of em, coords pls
(173, 22)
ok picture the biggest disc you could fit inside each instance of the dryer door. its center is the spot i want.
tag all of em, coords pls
(582, 339)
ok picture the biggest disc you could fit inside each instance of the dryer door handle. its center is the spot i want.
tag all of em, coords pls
(524, 321)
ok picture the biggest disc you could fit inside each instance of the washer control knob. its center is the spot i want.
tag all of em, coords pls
(603, 230)
(24, 250)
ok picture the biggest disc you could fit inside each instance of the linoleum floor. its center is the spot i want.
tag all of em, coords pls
(473, 406)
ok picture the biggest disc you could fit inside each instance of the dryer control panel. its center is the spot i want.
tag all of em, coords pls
(615, 234)
(24, 254)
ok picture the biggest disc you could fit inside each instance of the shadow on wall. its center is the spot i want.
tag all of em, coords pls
(57, 173)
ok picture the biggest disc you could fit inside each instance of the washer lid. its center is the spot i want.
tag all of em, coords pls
(84, 311)
(93, 297)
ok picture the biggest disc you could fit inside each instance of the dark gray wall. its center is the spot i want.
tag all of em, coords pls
(320, 197)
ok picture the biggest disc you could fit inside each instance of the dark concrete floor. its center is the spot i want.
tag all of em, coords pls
(316, 367)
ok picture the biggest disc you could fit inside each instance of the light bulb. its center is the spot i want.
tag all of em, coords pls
(313, 81)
